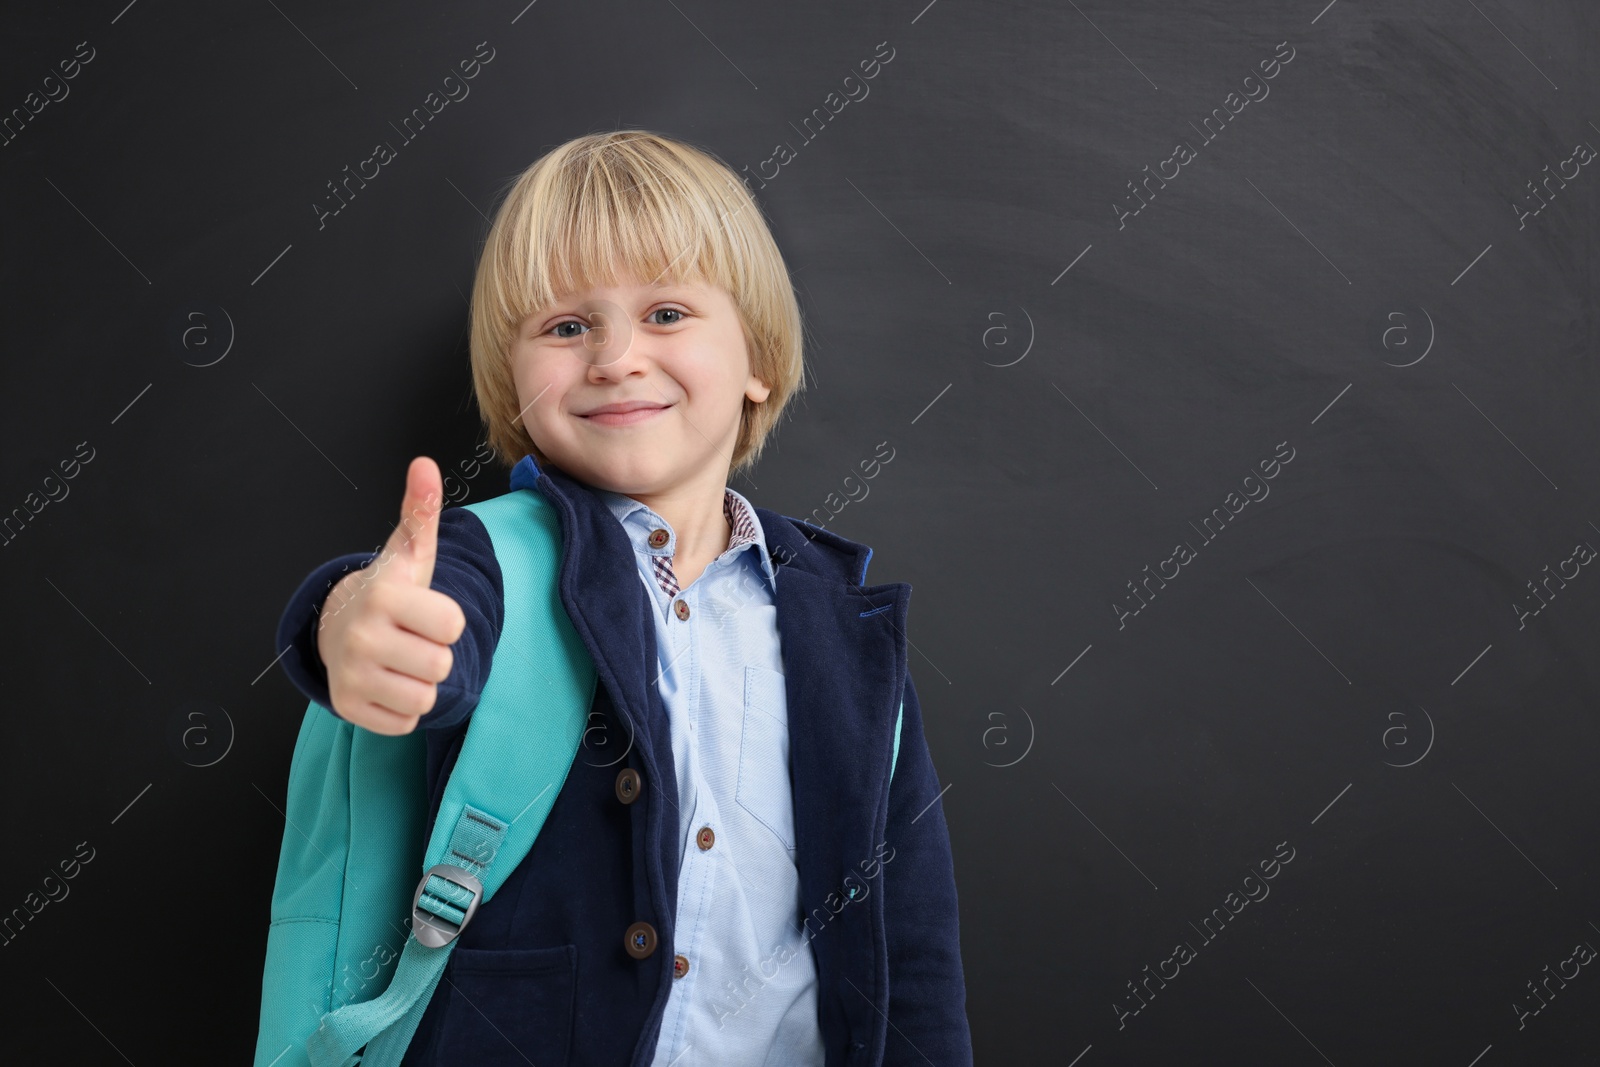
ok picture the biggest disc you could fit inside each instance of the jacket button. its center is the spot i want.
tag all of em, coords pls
(681, 609)
(627, 785)
(640, 940)
(680, 966)
(705, 838)
(658, 537)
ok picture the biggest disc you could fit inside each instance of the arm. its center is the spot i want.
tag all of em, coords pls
(465, 569)
(927, 990)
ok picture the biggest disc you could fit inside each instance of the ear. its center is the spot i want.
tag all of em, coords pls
(757, 390)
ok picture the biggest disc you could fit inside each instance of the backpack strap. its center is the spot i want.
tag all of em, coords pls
(901, 714)
(520, 743)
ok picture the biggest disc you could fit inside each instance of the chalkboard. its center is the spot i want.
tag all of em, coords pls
(1236, 362)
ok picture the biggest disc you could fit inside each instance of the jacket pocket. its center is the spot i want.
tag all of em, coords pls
(764, 790)
(509, 1007)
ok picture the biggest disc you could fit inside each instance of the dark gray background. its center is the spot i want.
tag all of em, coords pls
(1361, 616)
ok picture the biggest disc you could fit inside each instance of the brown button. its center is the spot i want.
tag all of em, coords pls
(681, 609)
(680, 966)
(640, 940)
(658, 538)
(705, 838)
(627, 785)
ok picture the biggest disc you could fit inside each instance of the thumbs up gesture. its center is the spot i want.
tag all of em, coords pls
(386, 641)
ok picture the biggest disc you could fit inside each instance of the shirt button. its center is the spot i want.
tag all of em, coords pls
(658, 537)
(706, 838)
(680, 966)
(640, 940)
(681, 609)
(627, 785)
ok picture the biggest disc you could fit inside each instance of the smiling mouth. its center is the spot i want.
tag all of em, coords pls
(624, 418)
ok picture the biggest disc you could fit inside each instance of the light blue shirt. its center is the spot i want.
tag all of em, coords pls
(745, 981)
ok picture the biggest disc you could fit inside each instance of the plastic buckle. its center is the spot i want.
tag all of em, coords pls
(435, 931)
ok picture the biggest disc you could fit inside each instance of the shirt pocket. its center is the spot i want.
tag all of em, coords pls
(509, 1007)
(764, 790)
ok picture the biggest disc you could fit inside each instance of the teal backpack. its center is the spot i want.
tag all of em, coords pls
(343, 971)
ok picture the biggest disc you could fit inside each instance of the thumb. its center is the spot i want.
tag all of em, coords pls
(414, 544)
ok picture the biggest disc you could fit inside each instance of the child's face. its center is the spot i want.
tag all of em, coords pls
(679, 348)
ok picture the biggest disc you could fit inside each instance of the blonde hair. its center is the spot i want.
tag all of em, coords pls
(630, 202)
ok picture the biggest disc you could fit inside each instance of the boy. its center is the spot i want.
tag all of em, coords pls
(728, 875)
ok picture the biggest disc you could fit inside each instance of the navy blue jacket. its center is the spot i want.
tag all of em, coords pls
(541, 973)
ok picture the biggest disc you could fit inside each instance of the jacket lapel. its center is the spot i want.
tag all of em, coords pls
(844, 658)
(601, 591)
(844, 655)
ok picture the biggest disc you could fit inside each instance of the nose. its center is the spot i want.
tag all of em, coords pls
(611, 347)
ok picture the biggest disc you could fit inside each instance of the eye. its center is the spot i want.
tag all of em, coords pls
(668, 311)
(570, 322)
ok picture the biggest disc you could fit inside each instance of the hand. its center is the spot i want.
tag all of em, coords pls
(384, 635)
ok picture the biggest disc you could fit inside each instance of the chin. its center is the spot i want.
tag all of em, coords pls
(624, 477)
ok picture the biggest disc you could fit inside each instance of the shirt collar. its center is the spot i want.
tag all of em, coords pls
(740, 513)
(796, 542)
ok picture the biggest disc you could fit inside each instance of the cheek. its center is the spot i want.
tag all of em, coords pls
(533, 377)
(532, 381)
(707, 381)
(528, 384)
